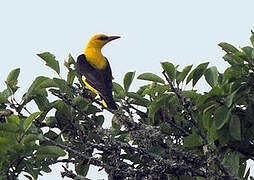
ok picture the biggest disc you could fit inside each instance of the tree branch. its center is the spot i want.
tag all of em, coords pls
(141, 134)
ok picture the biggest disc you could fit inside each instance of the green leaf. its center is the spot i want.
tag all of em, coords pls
(192, 140)
(51, 121)
(128, 78)
(248, 51)
(31, 170)
(211, 76)
(212, 134)
(229, 98)
(12, 79)
(135, 96)
(4, 141)
(29, 120)
(233, 59)
(35, 87)
(249, 113)
(46, 169)
(81, 102)
(6, 93)
(206, 118)
(252, 55)
(71, 59)
(13, 119)
(237, 57)
(183, 74)
(138, 99)
(200, 178)
(118, 90)
(155, 88)
(252, 39)
(72, 72)
(13, 76)
(30, 138)
(91, 109)
(51, 61)
(228, 47)
(170, 69)
(43, 103)
(157, 104)
(115, 124)
(231, 162)
(231, 73)
(3, 99)
(99, 120)
(70, 76)
(63, 110)
(151, 77)
(53, 136)
(221, 116)
(41, 83)
(49, 152)
(62, 85)
(196, 74)
(46, 84)
(166, 128)
(82, 169)
(235, 127)
(242, 170)
(11, 127)
(142, 89)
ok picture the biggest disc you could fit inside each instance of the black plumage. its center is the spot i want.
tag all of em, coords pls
(99, 79)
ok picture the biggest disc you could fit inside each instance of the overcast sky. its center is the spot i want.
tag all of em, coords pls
(183, 32)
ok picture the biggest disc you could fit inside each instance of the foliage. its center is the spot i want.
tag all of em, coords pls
(160, 131)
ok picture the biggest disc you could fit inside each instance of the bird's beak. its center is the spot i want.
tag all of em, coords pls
(111, 38)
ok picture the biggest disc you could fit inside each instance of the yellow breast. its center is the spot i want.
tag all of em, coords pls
(95, 57)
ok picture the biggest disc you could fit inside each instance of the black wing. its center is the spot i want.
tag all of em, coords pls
(99, 79)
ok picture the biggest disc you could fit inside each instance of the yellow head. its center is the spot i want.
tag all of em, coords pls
(99, 40)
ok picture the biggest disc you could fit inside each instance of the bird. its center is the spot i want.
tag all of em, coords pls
(95, 71)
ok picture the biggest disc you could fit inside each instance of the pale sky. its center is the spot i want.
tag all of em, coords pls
(183, 32)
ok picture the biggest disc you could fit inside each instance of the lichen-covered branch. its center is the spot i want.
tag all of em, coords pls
(146, 136)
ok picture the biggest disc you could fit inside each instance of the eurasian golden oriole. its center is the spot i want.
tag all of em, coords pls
(95, 70)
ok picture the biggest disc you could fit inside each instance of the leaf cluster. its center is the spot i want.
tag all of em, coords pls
(160, 131)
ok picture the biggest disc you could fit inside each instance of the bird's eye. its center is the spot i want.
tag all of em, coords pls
(103, 38)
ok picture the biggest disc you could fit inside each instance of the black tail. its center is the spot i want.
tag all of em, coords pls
(110, 102)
